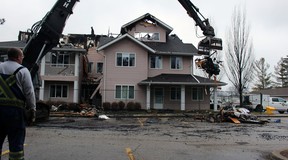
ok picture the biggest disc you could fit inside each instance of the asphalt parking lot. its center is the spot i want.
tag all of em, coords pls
(160, 138)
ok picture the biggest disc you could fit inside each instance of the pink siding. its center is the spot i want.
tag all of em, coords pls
(114, 75)
(94, 56)
(166, 68)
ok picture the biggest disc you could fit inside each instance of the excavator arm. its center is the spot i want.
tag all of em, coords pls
(206, 45)
(46, 34)
(193, 11)
(209, 42)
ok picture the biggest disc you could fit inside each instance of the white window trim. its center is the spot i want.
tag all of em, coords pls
(141, 38)
(60, 65)
(134, 93)
(122, 59)
(155, 67)
(181, 67)
(197, 94)
(61, 91)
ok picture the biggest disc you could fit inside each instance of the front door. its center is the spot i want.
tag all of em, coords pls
(158, 98)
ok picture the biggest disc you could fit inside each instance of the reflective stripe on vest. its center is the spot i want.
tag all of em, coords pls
(5, 89)
(7, 96)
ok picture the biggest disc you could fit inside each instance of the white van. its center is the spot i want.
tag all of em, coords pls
(280, 104)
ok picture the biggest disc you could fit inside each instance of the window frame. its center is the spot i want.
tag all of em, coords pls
(125, 92)
(62, 91)
(98, 67)
(199, 94)
(158, 62)
(147, 36)
(90, 67)
(178, 62)
(177, 93)
(130, 59)
(60, 59)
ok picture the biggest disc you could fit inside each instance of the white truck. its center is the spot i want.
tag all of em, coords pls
(261, 101)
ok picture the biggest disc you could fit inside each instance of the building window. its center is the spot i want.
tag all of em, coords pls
(197, 94)
(125, 59)
(175, 93)
(58, 90)
(145, 36)
(156, 62)
(90, 67)
(60, 60)
(99, 67)
(3, 58)
(176, 62)
(124, 92)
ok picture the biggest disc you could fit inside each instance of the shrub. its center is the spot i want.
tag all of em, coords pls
(121, 105)
(106, 106)
(130, 106)
(114, 106)
(137, 106)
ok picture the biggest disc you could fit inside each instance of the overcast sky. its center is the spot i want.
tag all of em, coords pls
(268, 19)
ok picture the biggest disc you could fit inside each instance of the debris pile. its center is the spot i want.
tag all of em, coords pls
(238, 115)
(84, 110)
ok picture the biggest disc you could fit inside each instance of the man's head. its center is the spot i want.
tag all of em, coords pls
(15, 54)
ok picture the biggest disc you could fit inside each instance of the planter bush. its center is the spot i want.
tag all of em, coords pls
(137, 106)
(130, 106)
(106, 106)
(121, 105)
(114, 106)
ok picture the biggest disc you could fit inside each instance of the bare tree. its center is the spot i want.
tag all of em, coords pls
(239, 53)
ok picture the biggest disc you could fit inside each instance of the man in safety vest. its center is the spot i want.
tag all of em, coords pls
(16, 95)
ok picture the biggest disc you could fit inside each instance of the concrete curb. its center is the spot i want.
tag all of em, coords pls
(275, 155)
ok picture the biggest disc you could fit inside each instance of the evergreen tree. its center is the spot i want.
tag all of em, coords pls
(263, 78)
(281, 72)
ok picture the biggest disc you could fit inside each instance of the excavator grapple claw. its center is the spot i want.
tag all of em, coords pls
(208, 44)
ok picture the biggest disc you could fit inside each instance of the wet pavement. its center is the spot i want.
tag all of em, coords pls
(155, 137)
(272, 135)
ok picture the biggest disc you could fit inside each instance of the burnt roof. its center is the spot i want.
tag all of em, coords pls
(128, 26)
(173, 45)
(181, 79)
(21, 44)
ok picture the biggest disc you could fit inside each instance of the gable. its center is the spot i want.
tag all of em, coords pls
(146, 20)
(111, 41)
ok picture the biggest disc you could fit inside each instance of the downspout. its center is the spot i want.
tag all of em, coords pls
(104, 77)
(215, 98)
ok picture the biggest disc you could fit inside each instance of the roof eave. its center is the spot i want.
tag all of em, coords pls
(176, 53)
(122, 37)
(183, 83)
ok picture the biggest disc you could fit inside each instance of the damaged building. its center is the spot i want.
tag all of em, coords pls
(145, 63)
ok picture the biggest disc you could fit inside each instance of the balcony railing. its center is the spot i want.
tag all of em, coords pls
(59, 69)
